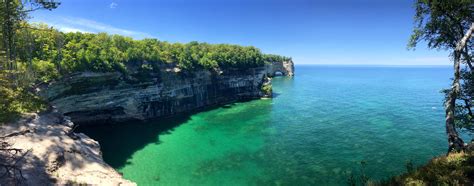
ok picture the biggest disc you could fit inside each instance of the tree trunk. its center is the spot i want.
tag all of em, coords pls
(454, 141)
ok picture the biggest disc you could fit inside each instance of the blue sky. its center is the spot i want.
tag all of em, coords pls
(310, 31)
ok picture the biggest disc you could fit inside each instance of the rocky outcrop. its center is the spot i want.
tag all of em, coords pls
(51, 154)
(88, 97)
(280, 68)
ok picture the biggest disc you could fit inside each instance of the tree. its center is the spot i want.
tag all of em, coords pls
(448, 25)
(13, 13)
(15, 97)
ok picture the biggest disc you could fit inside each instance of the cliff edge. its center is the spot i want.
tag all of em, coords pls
(51, 154)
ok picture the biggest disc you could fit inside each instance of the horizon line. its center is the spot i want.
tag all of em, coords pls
(319, 64)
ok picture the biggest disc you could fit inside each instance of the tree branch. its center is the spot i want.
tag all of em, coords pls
(455, 142)
(31, 10)
(468, 107)
(467, 58)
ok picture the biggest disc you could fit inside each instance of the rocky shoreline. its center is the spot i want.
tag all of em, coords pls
(51, 153)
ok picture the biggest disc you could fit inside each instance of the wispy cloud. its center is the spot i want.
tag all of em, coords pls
(74, 24)
(69, 29)
(113, 5)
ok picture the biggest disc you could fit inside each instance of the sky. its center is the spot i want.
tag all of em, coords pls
(338, 32)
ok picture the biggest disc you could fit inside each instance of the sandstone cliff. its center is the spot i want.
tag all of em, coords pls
(88, 97)
(283, 68)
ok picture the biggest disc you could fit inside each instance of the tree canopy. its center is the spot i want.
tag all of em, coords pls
(54, 53)
(448, 25)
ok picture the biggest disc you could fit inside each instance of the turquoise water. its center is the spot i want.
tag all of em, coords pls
(317, 130)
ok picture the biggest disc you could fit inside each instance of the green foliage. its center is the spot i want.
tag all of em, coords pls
(12, 16)
(453, 169)
(267, 89)
(16, 100)
(16, 51)
(275, 58)
(463, 110)
(45, 70)
(442, 24)
(73, 52)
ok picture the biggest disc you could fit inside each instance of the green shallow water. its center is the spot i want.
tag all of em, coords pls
(319, 127)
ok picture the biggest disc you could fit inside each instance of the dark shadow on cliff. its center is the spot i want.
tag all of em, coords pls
(119, 141)
(32, 170)
(42, 150)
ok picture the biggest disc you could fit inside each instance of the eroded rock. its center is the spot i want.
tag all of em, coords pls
(90, 97)
(52, 157)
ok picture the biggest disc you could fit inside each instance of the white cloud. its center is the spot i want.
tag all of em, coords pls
(69, 29)
(74, 24)
(113, 5)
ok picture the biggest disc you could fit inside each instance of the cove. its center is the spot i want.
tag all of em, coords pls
(318, 128)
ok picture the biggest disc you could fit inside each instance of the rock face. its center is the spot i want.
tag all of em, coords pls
(285, 68)
(51, 154)
(90, 97)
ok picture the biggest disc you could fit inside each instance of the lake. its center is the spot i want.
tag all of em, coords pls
(322, 126)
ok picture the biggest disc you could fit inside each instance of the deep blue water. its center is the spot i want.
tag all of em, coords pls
(318, 128)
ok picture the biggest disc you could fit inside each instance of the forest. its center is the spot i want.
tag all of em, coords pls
(52, 53)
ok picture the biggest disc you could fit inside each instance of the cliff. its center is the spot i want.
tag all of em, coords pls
(88, 97)
(51, 154)
(280, 68)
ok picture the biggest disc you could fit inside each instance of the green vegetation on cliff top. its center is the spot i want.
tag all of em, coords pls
(452, 169)
(44, 54)
(52, 53)
(36, 53)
